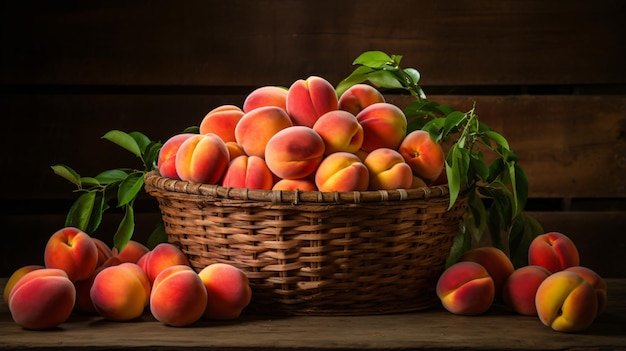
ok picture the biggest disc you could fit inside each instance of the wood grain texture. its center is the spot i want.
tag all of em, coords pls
(434, 329)
(241, 43)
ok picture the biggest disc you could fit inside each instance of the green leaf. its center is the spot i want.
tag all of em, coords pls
(457, 164)
(99, 206)
(192, 130)
(141, 139)
(89, 182)
(80, 213)
(359, 75)
(67, 173)
(521, 186)
(462, 243)
(523, 230)
(413, 73)
(497, 138)
(111, 176)
(384, 79)
(157, 236)
(453, 121)
(476, 216)
(129, 188)
(151, 155)
(478, 165)
(123, 140)
(125, 229)
(373, 59)
(434, 127)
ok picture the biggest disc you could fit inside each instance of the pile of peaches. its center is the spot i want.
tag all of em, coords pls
(83, 275)
(553, 286)
(306, 138)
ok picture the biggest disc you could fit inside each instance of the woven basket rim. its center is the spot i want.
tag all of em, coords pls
(155, 180)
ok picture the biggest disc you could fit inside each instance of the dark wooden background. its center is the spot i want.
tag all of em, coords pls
(549, 75)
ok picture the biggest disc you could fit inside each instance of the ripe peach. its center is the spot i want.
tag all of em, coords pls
(417, 182)
(466, 288)
(495, 261)
(228, 291)
(73, 251)
(221, 122)
(162, 256)
(17, 275)
(295, 184)
(387, 170)
(132, 252)
(423, 154)
(294, 152)
(84, 304)
(554, 251)
(42, 299)
(340, 131)
(566, 302)
(120, 292)
(384, 126)
(308, 99)
(266, 96)
(342, 171)
(166, 162)
(104, 251)
(234, 149)
(358, 97)
(248, 172)
(256, 128)
(596, 282)
(203, 158)
(178, 296)
(520, 289)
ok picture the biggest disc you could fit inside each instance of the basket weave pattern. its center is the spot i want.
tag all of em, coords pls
(317, 253)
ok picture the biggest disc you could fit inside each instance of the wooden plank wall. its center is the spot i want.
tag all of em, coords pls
(548, 75)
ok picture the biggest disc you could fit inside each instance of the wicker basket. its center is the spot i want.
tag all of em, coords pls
(317, 253)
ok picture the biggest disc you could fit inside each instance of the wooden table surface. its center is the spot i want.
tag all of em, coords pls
(434, 329)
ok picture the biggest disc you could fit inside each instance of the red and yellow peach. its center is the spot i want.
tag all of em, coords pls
(178, 296)
(309, 99)
(42, 299)
(342, 171)
(340, 131)
(520, 289)
(221, 121)
(358, 97)
(202, 158)
(256, 128)
(160, 257)
(423, 154)
(248, 172)
(294, 152)
(166, 162)
(228, 291)
(495, 261)
(120, 292)
(554, 251)
(384, 126)
(566, 302)
(465, 288)
(73, 251)
(387, 170)
(266, 96)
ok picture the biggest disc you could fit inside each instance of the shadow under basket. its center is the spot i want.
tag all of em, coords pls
(317, 253)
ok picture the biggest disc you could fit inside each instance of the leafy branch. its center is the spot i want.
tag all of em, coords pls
(121, 184)
(498, 191)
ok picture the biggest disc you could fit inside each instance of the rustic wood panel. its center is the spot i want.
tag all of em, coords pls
(570, 146)
(242, 43)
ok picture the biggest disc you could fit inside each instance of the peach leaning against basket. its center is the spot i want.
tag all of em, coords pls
(317, 253)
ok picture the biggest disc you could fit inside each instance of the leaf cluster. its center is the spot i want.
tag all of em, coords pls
(120, 185)
(498, 189)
